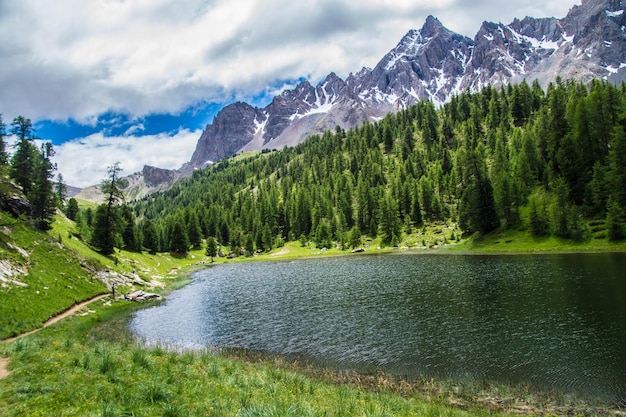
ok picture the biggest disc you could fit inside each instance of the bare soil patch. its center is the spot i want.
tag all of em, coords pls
(4, 368)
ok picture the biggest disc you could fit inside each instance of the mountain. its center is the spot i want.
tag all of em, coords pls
(431, 63)
(145, 182)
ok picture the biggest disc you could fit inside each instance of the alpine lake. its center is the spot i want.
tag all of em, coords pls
(553, 321)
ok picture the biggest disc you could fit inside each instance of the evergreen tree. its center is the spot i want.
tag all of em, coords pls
(179, 241)
(130, 235)
(71, 211)
(61, 191)
(323, 235)
(538, 217)
(617, 164)
(23, 160)
(41, 196)
(107, 223)
(390, 221)
(560, 213)
(614, 221)
(211, 247)
(103, 235)
(477, 211)
(194, 231)
(249, 245)
(150, 237)
(354, 237)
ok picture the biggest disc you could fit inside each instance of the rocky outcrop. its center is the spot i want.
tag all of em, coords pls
(232, 129)
(431, 63)
(141, 296)
(12, 200)
(135, 186)
(154, 177)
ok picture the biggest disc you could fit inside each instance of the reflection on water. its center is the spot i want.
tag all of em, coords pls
(556, 321)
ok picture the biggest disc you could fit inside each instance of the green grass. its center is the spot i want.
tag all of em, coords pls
(90, 366)
(54, 278)
(59, 271)
(520, 241)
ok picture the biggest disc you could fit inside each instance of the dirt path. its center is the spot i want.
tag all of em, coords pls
(4, 370)
(4, 362)
(59, 316)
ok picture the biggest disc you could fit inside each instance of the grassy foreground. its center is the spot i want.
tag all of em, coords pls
(90, 366)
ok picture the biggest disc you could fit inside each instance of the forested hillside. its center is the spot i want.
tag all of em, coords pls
(549, 162)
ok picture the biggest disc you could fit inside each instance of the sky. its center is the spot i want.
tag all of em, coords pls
(136, 81)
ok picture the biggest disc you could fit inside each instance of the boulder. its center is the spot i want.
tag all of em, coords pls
(142, 296)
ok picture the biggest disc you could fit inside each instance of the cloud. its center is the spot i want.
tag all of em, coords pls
(84, 161)
(78, 59)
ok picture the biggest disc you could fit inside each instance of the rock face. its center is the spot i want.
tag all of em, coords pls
(149, 180)
(12, 200)
(431, 63)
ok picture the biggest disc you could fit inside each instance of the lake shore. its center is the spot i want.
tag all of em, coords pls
(92, 364)
(464, 393)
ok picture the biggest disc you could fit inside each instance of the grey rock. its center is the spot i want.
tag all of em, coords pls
(12, 200)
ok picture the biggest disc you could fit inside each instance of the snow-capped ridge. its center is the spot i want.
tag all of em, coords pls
(432, 63)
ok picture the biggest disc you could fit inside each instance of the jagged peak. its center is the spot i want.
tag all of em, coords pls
(331, 78)
(594, 7)
(432, 27)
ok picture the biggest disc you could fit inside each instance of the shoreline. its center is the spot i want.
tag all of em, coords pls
(477, 397)
(464, 393)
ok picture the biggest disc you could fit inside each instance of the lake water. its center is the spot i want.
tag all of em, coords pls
(554, 321)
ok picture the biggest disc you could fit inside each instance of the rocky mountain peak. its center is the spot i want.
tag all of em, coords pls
(432, 27)
(432, 63)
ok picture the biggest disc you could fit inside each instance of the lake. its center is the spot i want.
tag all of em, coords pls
(554, 321)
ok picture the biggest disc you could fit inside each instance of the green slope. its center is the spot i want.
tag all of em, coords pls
(42, 277)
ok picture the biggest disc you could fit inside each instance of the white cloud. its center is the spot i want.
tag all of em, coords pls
(83, 162)
(78, 59)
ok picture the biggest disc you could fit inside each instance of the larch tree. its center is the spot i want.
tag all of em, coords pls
(23, 160)
(107, 222)
(42, 195)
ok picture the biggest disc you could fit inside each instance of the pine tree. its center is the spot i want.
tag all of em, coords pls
(150, 238)
(211, 247)
(194, 231)
(390, 221)
(354, 237)
(61, 191)
(71, 211)
(103, 235)
(617, 162)
(614, 221)
(23, 160)
(179, 241)
(107, 223)
(538, 217)
(130, 235)
(41, 196)
(477, 211)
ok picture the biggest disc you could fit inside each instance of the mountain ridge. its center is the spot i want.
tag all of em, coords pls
(432, 63)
